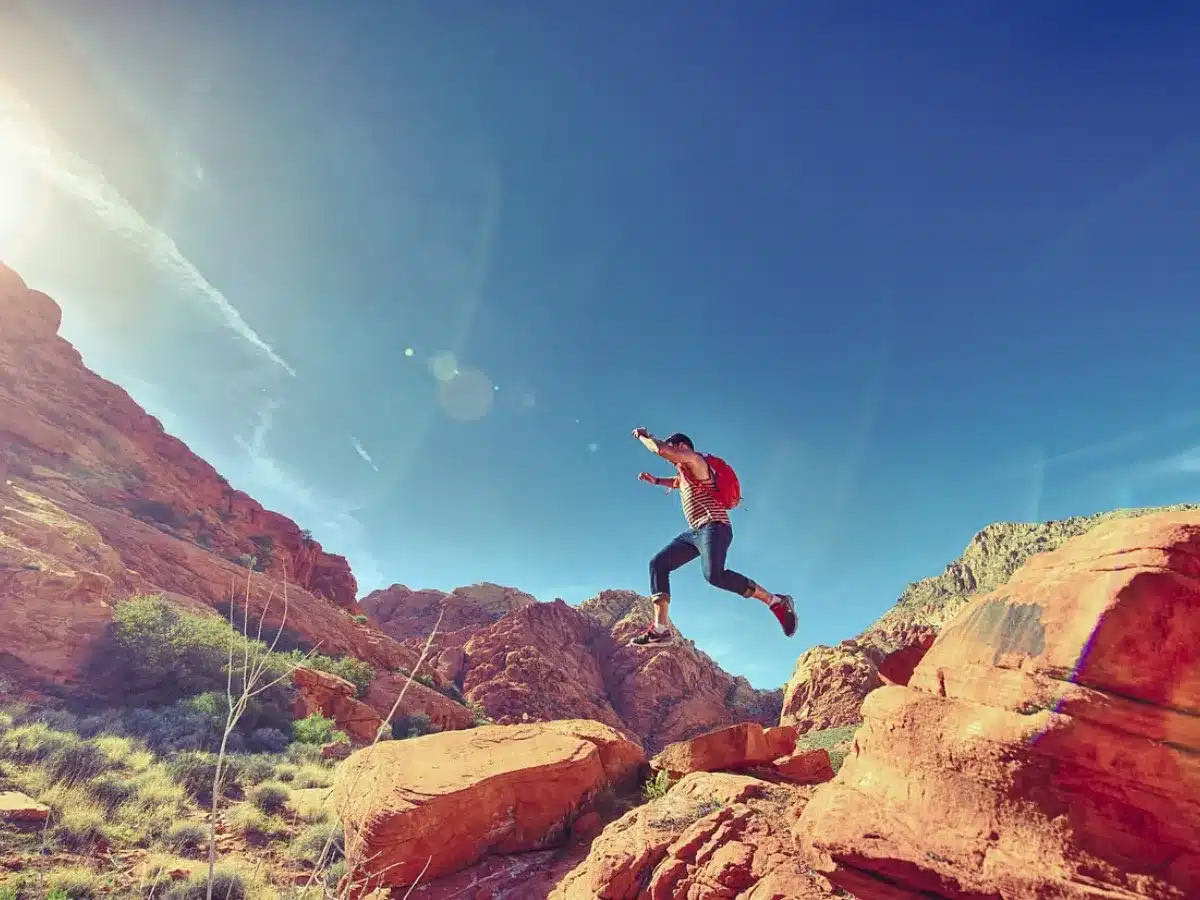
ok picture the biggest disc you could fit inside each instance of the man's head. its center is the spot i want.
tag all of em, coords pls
(679, 439)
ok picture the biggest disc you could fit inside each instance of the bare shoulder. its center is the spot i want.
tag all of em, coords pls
(696, 466)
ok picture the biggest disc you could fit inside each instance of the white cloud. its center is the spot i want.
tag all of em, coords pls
(361, 451)
(22, 132)
(332, 518)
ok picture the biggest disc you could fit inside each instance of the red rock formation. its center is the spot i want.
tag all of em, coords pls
(407, 614)
(514, 670)
(1050, 732)
(805, 767)
(711, 836)
(444, 713)
(738, 747)
(103, 504)
(828, 685)
(333, 697)
(437, 804)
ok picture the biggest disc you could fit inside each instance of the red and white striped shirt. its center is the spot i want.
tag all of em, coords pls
(699, 499)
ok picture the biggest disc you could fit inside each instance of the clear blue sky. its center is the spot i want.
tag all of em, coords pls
(911, 268)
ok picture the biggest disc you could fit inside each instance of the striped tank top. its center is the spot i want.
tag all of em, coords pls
(700, 504)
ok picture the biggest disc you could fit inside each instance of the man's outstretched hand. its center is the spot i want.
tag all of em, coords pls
(648, 478)
(640, 433)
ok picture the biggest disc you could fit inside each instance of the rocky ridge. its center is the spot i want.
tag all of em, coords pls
(828, 684)
(512, 664)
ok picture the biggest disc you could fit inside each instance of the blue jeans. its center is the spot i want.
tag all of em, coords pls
(709, 542)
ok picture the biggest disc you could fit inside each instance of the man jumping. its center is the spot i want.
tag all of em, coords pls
(709, 536)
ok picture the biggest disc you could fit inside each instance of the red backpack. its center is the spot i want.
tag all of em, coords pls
(726, 485)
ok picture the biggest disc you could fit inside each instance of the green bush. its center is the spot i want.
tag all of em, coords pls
(355, 671)
(258, 768)
(657, 786)
(318, 845)
(412, 726)
(228, 884)
(111, 789)
(187, 837)
(317, 730)
(270, 798)
(77, 761)
(196, 771)
(75, 883)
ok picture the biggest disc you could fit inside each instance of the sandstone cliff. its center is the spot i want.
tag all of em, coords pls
(527, 661)
(97, 502)
(829, 684)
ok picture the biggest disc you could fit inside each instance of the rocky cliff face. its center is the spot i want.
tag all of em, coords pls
(526, 661)
(97, 502)
(829, 683)
(407, 614)
(1049, 735)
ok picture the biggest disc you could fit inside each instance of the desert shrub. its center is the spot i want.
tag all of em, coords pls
(227, 884)
(480, 714)
(315, 729)
(187, 837)
(318, 845)
(112, 790)
(427, 680)
(312, 775)
(196, 771)
(33, 743)
(258, 768)
(355, 671)
(303, 754)
(657, 786)
(56, 719)
(159, 654)
(251, 822)
(286, 773)
(74, 882)
(360, 619)
(77, 822)
(270, 798)
(267, 740)
(412, 726)
(77, 761)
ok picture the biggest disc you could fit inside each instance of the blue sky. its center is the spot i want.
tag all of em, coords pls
(911, 268)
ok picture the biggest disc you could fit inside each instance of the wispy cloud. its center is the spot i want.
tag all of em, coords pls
(331, 518)
(361, 451)
(29, 139)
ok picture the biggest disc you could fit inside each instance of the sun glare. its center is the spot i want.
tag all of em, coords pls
(16, 181)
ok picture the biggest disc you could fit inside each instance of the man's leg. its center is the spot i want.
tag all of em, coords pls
(714, 540)
(679, 552)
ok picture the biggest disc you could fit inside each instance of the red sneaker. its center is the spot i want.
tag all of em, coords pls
(785, 612)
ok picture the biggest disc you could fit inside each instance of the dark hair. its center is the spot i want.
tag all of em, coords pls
(680, 438)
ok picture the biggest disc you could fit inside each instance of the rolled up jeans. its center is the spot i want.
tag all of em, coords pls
(710, 542)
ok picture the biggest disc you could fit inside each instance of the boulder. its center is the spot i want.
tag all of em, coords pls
(737, 747)
(17, 807)
(333, 697)
(827, 687)
(1051, 731)
(430, 806)
(712, 836)
(805, 767)
(443, 713)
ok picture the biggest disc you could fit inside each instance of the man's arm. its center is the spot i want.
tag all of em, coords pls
(672, 482)
(672, 454)
(679, 456)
